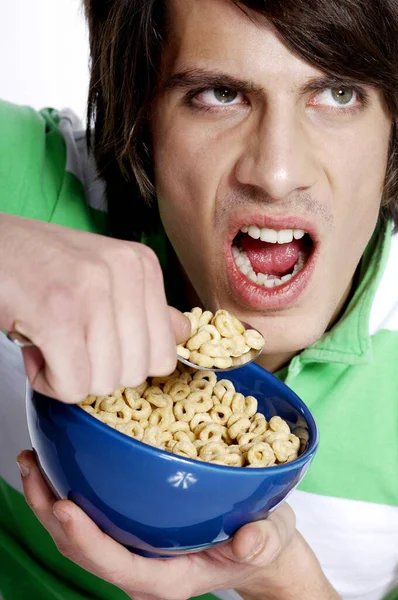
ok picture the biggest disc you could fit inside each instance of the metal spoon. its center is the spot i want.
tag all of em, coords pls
(215, 369)
(23, 342)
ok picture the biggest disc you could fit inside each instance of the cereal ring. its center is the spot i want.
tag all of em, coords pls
(155, 396)
(224, 323)
(240, 328)
(177, 390)
(202, 400)
(214, 349)
(234, 418)
(201, 360)
(152, 435)
(278, 424)
(220, 414)
(295, 441)
(185, 377)
(141, 410)
(170, 444)
(205, 318)
(259, 424)
(227, 398)
(233, 459)
(183, 352)
(247, 405)
(178, 426)
(195, 342)
(194, 319)
(125, 414)
(254, 339)
(161, 417)
(272, 436)
(201, 384)
(242, 425)
(246, 438)
(234, 449)
(164, 438)
(222, 386)
(261, 453)
(132, 429)
(213, 331)
(245, 358)
(223, 363)
(131, 396)
(88, 408)
(238, 345)
(200, 418)
(186, 449)
(284, 451)
(112, 404)
(87, 401)
(184, 411)
(238, 403)
(184, 436)
(199, 444)
(211, 433)
(208, 376)
(211, 451)
(140, 389)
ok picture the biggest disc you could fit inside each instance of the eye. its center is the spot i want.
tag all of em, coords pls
(221, 96)
(336, 97)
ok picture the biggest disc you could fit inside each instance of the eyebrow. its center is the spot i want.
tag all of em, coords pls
(207, 79)
(203, 78)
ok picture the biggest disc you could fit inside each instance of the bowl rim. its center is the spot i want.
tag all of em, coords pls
(292, 398)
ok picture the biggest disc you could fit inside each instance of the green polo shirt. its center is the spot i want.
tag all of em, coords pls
(347, 505)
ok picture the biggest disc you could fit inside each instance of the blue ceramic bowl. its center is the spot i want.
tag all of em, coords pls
(153, 502)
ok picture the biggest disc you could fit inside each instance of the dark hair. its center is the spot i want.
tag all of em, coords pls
(357, 39)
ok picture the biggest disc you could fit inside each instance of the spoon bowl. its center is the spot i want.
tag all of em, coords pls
(188, 363)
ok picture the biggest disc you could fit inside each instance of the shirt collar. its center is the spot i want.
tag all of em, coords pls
(349, 340)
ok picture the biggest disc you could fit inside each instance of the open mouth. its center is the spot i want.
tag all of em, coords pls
(271, 258)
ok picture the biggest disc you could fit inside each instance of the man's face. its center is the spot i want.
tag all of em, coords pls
(268, 174)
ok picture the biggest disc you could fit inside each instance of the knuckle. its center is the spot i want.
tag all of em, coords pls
(93, 274)
(150, 262)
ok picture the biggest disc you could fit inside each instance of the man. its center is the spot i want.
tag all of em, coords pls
(267, 133)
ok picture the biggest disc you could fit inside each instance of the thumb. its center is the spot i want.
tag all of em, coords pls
(262, 542)
(181, 325)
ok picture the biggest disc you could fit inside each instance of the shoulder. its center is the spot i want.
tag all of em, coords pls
(45, 170)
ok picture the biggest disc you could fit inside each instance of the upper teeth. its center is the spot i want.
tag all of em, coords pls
(283, 236)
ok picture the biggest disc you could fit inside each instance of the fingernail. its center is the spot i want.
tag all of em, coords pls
(24, 469)
(61, 515)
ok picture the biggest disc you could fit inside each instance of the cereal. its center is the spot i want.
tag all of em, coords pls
(193, 415)
(219, 341)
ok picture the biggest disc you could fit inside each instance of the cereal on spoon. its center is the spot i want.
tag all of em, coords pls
(219, 340)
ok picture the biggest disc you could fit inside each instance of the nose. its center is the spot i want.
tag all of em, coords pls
(278, 155)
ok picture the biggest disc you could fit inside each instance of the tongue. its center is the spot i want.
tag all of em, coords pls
(271, 259)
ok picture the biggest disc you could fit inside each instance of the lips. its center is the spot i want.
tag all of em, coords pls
(273, 274)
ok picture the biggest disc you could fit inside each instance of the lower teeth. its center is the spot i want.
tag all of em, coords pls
(243, 263)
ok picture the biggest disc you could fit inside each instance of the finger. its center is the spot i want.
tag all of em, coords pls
(103, 343)
(38, 495)
(58, 365)
(132, 327)
(180, 324)
(261, 542)
(162, 347)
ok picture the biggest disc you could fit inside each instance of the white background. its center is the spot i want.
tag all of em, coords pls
(44, 53)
